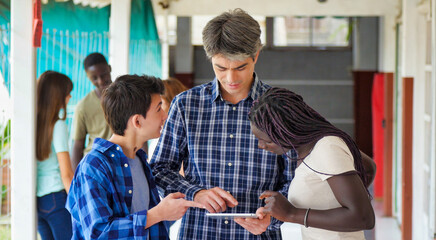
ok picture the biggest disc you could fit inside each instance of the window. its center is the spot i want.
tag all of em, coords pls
(311, 31)
(172, 28)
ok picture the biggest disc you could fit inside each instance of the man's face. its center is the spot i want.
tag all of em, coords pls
(264, 141)
(235, 76)
(155, 118)
(100, 75)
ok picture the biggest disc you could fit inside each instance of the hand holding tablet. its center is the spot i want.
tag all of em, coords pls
(256, 225)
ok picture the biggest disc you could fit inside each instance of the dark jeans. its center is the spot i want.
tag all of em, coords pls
(54, 221)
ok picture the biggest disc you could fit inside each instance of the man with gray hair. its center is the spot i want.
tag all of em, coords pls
(209, 132)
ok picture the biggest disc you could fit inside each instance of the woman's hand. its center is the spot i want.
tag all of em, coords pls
(278, 206)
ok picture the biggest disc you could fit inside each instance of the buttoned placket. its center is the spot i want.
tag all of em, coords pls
(232, 135)
(126, 165)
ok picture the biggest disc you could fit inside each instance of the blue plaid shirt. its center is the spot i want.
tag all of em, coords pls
(213, 139)
(100, 197)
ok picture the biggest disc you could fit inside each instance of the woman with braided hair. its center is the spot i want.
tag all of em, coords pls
(328, 194)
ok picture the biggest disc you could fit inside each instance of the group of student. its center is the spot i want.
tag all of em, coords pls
(232, 145)
(55, 169)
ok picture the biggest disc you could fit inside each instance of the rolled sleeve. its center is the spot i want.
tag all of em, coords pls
(170, 152)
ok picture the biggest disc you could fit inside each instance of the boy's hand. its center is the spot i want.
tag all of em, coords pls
(173, 206)
(215, 199)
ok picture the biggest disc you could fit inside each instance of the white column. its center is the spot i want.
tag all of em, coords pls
(23, 68)
(119, 27)
(432, 221)
(409, 39)
(165, 48)
(422, 212)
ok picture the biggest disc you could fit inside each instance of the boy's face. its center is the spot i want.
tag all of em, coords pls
(151, 125)
(100, 75)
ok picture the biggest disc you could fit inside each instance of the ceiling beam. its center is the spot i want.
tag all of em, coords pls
(281, 7)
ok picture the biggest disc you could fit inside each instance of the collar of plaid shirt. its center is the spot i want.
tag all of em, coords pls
(253, 94)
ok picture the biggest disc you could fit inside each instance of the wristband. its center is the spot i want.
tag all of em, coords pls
(305, 218)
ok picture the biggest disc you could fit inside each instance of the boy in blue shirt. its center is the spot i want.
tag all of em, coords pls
(113, 194)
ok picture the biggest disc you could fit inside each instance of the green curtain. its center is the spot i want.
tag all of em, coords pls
(71, 32)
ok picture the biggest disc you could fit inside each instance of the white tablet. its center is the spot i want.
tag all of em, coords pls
(231, 215)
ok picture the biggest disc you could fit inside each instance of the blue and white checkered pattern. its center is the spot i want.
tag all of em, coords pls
(213, 139)
(100, 197)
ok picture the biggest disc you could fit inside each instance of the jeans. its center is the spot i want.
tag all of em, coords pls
(54, 221)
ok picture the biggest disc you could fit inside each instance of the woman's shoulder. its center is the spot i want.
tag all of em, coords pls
(60, 127)
(61, 123)
(331, 155)
(331, 147)
(328, 142)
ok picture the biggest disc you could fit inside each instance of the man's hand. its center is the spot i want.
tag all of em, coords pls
(173, 206)
(255, 225)
(215, 199)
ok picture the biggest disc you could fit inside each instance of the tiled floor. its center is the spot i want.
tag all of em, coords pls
(289, 231)
(385, 228)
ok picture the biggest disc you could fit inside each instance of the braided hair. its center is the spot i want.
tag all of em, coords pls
(290, 123)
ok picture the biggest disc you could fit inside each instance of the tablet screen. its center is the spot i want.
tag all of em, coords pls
(231, 215)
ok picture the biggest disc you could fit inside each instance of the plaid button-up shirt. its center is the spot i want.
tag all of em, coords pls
(100, 197)
(213, 139)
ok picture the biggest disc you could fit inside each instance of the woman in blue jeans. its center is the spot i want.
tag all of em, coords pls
(54, 174)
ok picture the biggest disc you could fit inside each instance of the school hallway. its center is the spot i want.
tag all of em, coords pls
(335, 54)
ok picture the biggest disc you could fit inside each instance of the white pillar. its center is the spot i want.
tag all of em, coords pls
(165, 48)
(409, 39)
(119, 27)
(23, 94)
(433, 124)
(422, 213)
